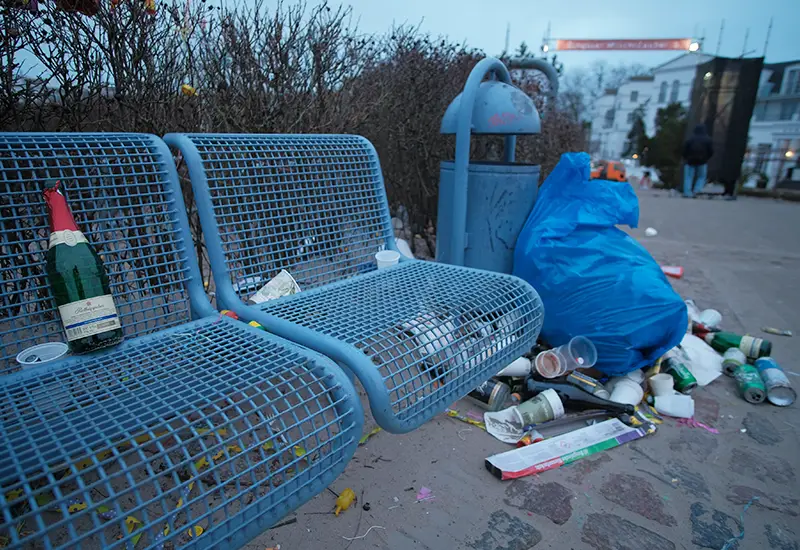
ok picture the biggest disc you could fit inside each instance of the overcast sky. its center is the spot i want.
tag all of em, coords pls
(482, 23)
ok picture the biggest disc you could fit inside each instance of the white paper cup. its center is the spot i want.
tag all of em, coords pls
(710, 318)
(662, 384)
(627, 391)
(386, 258)
(636, 375)
(43, 353)
(676, 405)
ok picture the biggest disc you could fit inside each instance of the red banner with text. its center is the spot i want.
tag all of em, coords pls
(625, 44)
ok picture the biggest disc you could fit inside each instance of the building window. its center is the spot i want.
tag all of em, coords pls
(792, 86)
(609, 119)
(630, 118)
(662, 93)
(762, 155)
(788, 109)
(634, 96)
(673, 94)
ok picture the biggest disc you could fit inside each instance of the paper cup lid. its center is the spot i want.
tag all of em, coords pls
(555, 403)
(37, 355)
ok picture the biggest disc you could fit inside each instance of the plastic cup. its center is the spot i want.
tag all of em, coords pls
(543, 408)
(43, 353)
(549, 364)
(578, 353)
(662, 384)
(386, 258)
(627, 391)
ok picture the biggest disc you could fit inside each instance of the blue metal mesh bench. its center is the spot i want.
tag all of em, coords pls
(418, 335)
(199, 432)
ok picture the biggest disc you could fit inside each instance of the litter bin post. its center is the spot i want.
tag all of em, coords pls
(483, 205)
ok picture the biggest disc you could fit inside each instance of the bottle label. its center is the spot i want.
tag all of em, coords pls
(750, 345)
(67, 237)
(89, 317)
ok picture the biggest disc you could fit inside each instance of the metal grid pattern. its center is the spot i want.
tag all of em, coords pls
(313, 205)
(210, 425)
(418, 335)
(431, 331)
(116, 186)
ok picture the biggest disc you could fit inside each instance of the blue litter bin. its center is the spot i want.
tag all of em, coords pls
(483, 205)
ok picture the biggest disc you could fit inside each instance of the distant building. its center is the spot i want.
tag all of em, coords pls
(774, 138)
(668, 83)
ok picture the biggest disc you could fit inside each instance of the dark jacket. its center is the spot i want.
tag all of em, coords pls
(698, 148)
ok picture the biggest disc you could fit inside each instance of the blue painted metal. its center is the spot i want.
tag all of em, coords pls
(491, 107)
(498, 108)
(500, 198)
(418, 335)
(206, 423)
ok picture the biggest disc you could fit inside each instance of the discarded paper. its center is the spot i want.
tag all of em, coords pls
(283, 284)
(563, 449)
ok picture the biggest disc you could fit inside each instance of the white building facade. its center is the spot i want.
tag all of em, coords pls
(774, 136)
(671, 82)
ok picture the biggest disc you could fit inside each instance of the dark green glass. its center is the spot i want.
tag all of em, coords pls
(77, 273)
(78, 280)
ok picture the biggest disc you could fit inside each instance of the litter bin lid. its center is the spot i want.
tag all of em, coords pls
(499, 109)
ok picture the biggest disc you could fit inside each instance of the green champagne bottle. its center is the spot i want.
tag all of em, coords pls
(751, 346)
(78, 281)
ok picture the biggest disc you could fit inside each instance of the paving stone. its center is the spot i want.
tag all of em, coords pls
(636, 495)
(761, 466)
(761, 430)
(711, 528)
(780, 537)
(611, 532)
(551, 500)
(506, 532)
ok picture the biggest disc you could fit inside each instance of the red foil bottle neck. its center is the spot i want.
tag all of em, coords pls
(61, 217)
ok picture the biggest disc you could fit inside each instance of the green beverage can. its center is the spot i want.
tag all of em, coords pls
(750, 385)
(674, 365)
(732, 360)
(491, 395)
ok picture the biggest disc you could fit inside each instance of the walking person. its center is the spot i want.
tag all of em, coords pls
(697, 150)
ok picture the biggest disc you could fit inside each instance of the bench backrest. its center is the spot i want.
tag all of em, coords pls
(123, 191)
(313, 205)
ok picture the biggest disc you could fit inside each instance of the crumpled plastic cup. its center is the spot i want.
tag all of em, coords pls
(43, 353)
(676, 405)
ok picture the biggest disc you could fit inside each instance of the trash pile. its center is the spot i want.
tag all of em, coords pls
(555, 407)
(626, 349)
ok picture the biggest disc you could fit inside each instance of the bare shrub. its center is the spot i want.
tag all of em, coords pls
(255, 67)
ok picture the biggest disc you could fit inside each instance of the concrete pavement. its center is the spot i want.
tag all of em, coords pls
(681, 488)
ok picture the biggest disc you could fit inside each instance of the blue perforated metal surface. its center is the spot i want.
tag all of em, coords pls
(418, 335)
(208, 423)
(313, 205)
(116, 187)
(432, 332)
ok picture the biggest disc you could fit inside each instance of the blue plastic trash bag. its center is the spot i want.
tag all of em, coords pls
(595, 280)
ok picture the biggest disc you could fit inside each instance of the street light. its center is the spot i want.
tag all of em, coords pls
(545, 48)
(789, 154)
(694, 46)
(635, 156)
